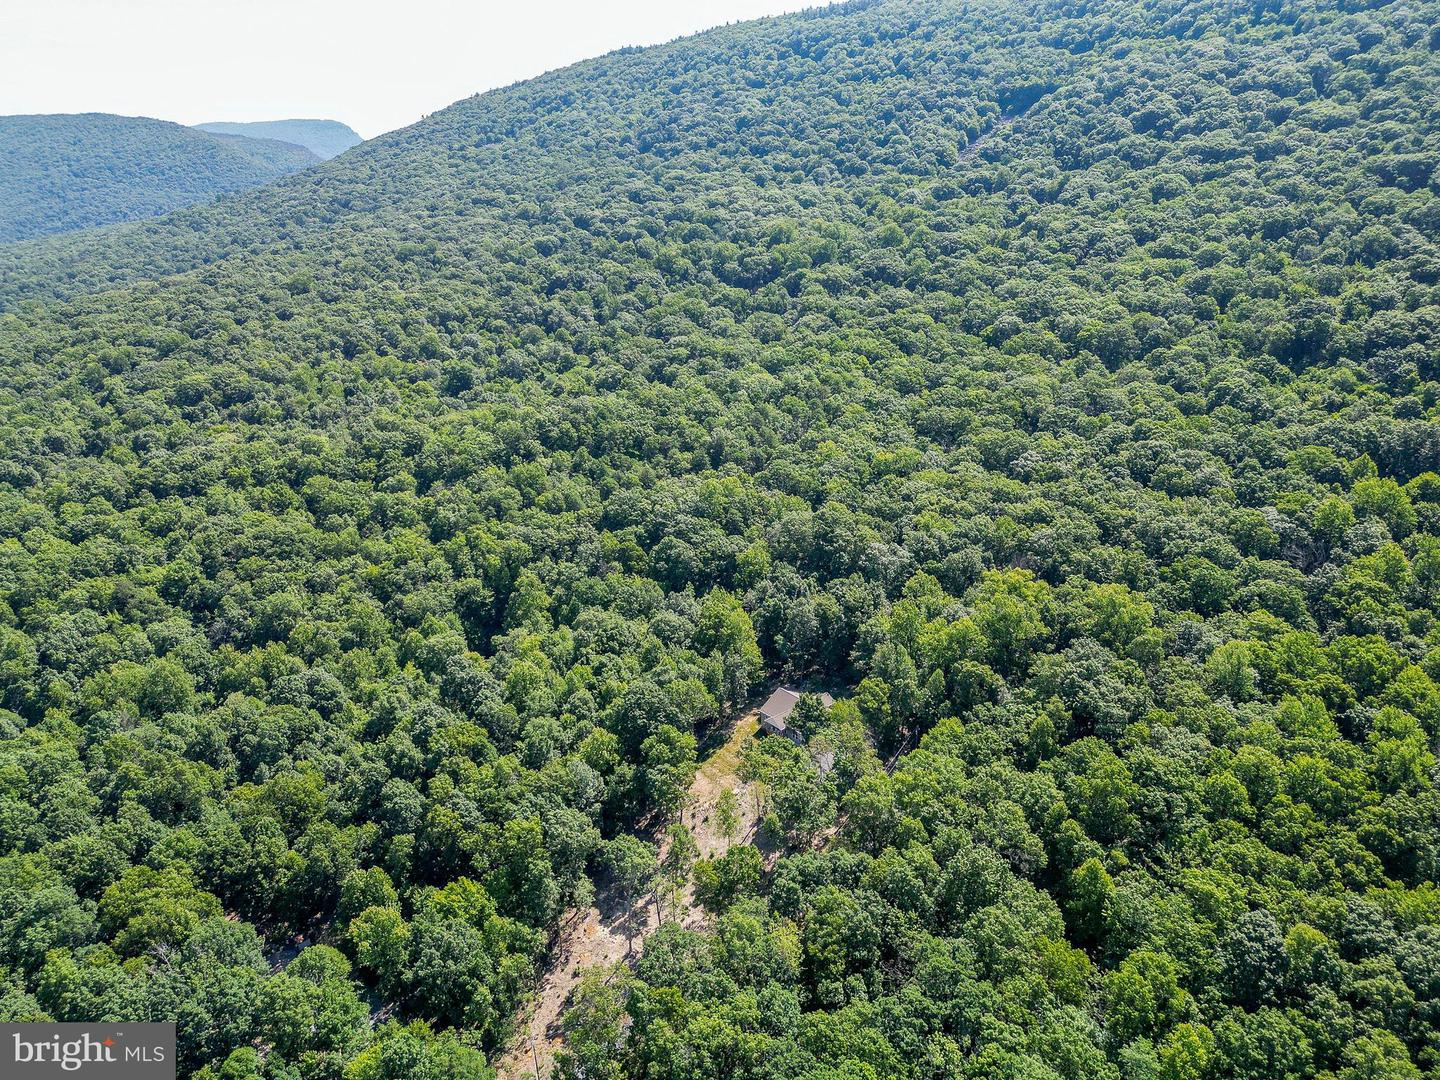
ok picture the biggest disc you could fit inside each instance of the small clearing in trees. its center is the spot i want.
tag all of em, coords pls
(596, 936)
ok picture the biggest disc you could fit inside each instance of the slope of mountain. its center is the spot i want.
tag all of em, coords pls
(65, 172)
(324, 138)
(1056, 383)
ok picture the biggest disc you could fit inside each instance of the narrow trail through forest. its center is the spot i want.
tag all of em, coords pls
(1003, 124)
(603, 934)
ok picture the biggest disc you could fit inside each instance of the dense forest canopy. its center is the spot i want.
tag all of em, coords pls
(77, 171)
(1062, 378)
(324, 138)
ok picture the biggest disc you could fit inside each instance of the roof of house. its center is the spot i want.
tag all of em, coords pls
(782, 702)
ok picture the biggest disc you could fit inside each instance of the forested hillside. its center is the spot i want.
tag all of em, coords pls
(1062, 379)
(324, 138)
(64, 172)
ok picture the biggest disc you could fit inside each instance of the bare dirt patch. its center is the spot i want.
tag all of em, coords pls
(587, 939)
(597, 936)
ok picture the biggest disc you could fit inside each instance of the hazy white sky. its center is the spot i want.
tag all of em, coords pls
(375, 64)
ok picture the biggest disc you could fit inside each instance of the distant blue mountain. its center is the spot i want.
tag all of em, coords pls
(324, 138)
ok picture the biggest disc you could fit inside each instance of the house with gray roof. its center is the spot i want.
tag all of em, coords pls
(778, 707)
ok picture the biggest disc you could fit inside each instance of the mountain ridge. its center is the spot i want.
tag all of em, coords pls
(440, 128)
(75, 171)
